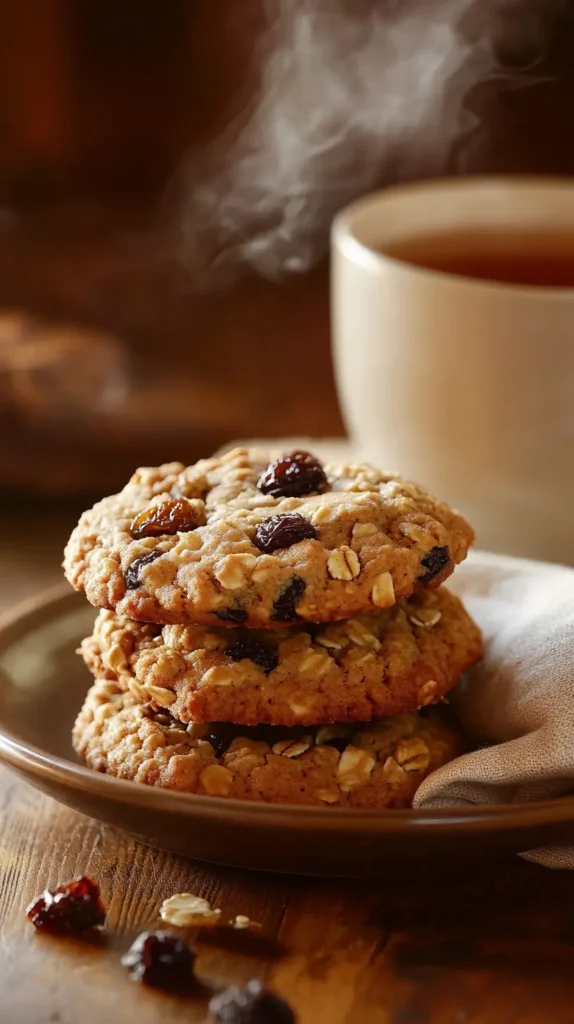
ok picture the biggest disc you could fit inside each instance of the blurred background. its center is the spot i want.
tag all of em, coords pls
(168, 173)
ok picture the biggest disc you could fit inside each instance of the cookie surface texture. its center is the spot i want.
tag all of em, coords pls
(238, 541)
(382, 663)
(376, 765)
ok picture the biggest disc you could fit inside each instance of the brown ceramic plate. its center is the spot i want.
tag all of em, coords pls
(42, 684)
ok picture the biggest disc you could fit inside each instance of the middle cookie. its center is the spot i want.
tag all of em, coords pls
(380, 664)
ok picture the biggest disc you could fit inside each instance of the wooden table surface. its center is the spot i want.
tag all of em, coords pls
(448, 945)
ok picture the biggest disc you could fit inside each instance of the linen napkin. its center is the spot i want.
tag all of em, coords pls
(521, 697)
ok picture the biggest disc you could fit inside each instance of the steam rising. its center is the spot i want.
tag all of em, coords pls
(351, 94)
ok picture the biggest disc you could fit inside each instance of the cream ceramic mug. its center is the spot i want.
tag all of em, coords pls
(465, 385)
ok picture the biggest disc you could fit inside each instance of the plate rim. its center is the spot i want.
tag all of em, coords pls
(27, 758)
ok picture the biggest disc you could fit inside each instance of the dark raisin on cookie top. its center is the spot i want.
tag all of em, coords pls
(132, 574)
(293, 475)
(283, 531)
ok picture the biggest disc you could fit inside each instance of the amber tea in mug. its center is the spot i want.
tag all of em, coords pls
(453, 336)
(543, 259)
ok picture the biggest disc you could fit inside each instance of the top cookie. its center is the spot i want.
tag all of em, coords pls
(237, 540)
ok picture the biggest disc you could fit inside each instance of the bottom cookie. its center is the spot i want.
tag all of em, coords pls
(379, 764)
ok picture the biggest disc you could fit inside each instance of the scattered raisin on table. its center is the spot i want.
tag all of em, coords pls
(284, 607)
(168, 517)
(434, 562)
(282, 531)
(236, 615)
(132, 573)
(250, 1005)
(293, 476)
(72, 909)
(160, 959)
(265, 657)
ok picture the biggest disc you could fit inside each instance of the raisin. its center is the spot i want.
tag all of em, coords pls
(284, 606)
(292, 476)
(175, 516)
(283, 531)
(132, 573)
(72, 909)
(220, 738)
(434, 562)
(265, 657)
(159, 959)
(237, 615)
(250, 1005)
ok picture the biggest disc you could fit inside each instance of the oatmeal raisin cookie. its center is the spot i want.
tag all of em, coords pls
(235, 540)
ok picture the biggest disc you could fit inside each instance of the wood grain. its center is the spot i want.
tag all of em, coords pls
(442, 947)
(447, 945)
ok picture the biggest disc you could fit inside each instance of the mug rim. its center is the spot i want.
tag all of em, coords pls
(345, 239)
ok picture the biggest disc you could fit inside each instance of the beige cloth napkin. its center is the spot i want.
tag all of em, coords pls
(521, 697)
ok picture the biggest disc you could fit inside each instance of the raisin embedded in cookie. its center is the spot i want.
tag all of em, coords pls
(378, 664)
(376, 765)
(240, 540)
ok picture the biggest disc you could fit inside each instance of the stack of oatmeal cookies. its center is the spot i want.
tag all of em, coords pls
(273, 631)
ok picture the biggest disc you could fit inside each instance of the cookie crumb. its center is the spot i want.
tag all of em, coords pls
(241, 923)
(184, 910)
